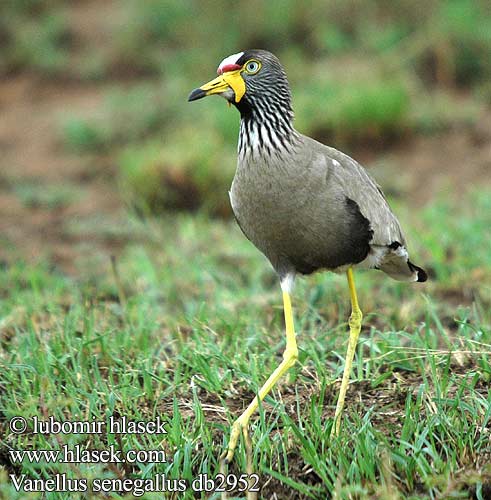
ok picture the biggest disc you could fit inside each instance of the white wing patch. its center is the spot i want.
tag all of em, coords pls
(230, 59)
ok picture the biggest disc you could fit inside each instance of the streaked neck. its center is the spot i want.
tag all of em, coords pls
(266, 127)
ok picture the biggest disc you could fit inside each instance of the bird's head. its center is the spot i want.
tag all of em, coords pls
(246, 78)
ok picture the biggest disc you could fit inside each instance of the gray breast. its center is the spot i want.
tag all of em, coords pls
(291, 209)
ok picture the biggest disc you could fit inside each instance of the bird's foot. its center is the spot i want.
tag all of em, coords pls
(336, 427)
(240, 425)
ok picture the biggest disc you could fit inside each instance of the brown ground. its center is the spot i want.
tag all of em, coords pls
(31, 152)
(387, 401)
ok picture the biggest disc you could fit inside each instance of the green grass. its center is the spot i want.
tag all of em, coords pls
(36, 194)
(190, 324)
(125, 116)
(38, 42)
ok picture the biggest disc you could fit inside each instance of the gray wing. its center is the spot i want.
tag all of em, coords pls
(358, 185)
(388, 244)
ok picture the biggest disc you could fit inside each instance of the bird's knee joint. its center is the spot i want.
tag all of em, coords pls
(355, 319)
(291, 355)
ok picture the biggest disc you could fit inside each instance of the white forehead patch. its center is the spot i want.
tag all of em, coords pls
(230, 60)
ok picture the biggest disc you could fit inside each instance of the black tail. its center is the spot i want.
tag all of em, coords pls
(422, 276)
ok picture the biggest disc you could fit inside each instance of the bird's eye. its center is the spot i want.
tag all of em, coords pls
(252, 67)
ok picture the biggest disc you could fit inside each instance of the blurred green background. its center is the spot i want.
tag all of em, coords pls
(102, 156)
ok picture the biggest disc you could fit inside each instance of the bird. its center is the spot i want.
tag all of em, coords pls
(306, 206)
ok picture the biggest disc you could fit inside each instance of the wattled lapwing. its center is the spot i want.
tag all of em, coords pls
(305, 205)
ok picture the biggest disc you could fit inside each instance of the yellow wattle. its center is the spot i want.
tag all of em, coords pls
(236, 82)
(230, 79)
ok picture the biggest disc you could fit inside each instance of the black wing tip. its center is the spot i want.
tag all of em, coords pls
(422, 276)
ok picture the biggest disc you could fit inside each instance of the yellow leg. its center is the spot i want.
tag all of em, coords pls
(354, 327)
(289, 357)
